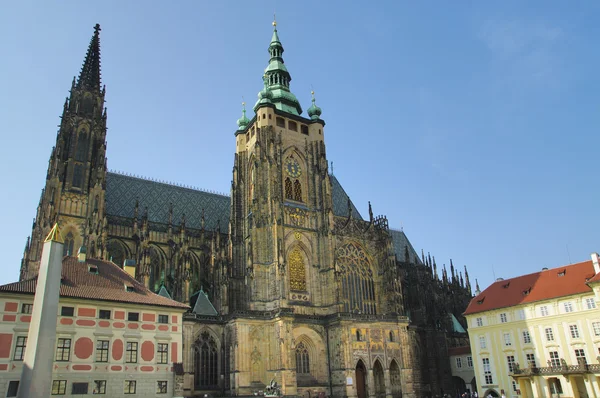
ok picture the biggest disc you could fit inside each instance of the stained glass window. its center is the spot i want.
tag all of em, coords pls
(297, 270)
(302, 359)
(68, 245)
(358, 288)
(205, 358)
(82, 147)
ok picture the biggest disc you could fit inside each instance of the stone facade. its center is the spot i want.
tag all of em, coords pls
(308, 293)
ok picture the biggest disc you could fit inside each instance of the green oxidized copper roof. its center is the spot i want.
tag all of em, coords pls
(314, 112)
(243, 121)
(277, 80)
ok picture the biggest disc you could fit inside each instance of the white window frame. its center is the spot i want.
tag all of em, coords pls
(568, 306)
(479, 321)
(482, 342)
(507, 339)
(549, 332)
(574, 330)
(590, 303)
(503, 318)
(596, 328)
(526, 337)
(544, 310)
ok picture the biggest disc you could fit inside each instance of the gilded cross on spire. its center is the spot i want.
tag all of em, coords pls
(274, 21)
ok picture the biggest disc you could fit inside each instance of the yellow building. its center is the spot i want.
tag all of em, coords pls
(113, 337)
(538, 335)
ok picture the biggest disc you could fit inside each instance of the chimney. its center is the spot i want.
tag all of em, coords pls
(129, 267)
(82, 254)
(596, 262)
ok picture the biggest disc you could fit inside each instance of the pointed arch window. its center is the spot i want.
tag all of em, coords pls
(205, 362)
(78, 175)
(289, 191)
(82, 147)
(302, 359)
(297, 191)
(358, 288)
(297, 270)
(68, 245)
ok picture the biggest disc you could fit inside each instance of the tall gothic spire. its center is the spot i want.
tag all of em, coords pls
(277, 79)
(89, 77)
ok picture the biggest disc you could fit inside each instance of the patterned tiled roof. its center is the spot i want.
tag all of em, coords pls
(108, 284)
(544, 285)
(340, 200)
(400, 241)
(123, 190)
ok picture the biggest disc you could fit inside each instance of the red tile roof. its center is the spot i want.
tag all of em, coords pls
(107, 285)
(459, 350)
(556, 282)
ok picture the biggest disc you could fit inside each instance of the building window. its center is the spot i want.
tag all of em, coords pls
(568, 306)
(521, 314)
(161, 387)
(514, 386)
(280, 122)
(206, 369)
(82, 147)
(129, 387)
(549, 334)
(458, 362)
(510, 360)
(580, 356)
(596, 327)
(469, 362)
(526, 337)
(358, 287)
(79, 388)
(531, 360)
(574, 331)
(487, 371)
(13, 387)
(482, 343)
(554, 359)
(555, 386)
(102, 351)
(59, 387)
(131, 352)
(358, 335)
(99, 387)
(68, 245)
(20, 348)
(507, 340)
(392, 336)
(133, 316)
(302, 359)
(304, 129)
(479, 321)
(289, 191)
(292, 126)
(590, 303)
(297, 191)
(26, 308)
(544, 310)
(297, 270)
(104, 314)
(78, 175)
(163, 319)
(503, 318)
(67, 311)
(63, 350)
(162, 353)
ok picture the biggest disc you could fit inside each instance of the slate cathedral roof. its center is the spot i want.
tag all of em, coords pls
(123, 190)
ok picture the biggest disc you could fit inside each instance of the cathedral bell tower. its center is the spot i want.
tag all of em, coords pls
(75, 182)
(281, 213)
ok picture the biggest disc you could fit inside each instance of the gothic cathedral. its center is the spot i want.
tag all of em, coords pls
(286, 281)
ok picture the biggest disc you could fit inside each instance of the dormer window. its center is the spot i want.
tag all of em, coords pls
(129, 288)
(562, 273)
(506, 285)
(93, 269)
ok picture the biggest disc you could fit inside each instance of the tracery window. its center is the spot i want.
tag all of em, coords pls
(289, 192)
(358, 288)
(78, 175)
(302, 359)
(68, 245)
(205, 362)
(297, 191)
(297, 270)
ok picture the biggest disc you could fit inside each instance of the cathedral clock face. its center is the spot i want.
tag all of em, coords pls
(293, 168)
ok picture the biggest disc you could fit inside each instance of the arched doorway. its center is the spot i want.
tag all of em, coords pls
(379, 379)
(459, 385)
(491, 393)
(361, 383)
(395, 380)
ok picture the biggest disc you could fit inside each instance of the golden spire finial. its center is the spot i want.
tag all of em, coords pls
(55, 235)
(274, 21)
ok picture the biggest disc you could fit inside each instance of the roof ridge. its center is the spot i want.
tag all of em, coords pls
(504, 280)
(171, 184)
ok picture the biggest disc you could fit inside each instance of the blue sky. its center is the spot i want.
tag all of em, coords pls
(472, 125)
